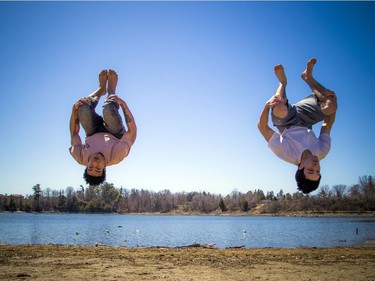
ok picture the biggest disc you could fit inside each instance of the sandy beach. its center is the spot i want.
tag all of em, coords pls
(56, 262)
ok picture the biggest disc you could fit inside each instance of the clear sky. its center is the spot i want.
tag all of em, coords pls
(195, 75)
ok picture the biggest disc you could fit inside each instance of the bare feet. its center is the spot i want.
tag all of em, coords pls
(112, 82)
(280, 74)
(307, 73)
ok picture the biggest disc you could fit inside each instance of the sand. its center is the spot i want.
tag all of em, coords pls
(56, 262)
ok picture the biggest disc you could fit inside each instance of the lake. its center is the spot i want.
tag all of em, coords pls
(172, 231)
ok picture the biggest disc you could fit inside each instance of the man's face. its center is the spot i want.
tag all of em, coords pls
(312, 168)
(96, 165)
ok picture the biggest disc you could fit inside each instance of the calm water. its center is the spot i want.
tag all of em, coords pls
(144, 230)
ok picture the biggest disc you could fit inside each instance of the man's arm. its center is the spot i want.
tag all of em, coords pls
(131, 134)
(263, 127)
(327, 124)
(130, 123)
(74, 122)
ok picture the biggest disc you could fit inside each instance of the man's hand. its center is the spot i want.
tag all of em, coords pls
(117, 99)
(80, 102)
(274, 101)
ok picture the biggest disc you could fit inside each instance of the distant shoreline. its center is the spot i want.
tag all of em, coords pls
(367, 214)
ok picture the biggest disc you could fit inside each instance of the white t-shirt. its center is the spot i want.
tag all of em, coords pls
(290, 144)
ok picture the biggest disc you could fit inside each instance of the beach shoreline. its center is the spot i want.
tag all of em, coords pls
(59, 262)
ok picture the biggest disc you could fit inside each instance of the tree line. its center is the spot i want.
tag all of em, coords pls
(106, 198)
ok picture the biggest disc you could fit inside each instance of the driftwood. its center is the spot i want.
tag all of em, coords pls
(203, 246)
(236, 247)
(197, 245)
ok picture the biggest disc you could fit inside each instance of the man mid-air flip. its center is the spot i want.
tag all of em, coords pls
(295, 141)
(107, 141)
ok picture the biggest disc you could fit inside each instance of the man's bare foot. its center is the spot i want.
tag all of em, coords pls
(103, 82)
(279, 109)
(112, 82)
(280, 74)
(102, 89)
(307, 73)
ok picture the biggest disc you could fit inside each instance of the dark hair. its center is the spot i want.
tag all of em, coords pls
(305, 185)
(92, 181)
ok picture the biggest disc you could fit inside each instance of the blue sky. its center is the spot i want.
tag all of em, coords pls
(195, 75)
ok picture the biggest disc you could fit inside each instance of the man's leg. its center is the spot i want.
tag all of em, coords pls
(281, 109)
(327, 98)
(112, 118)
(91, 122)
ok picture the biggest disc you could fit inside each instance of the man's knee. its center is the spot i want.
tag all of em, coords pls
(330, 106)
(280, 111)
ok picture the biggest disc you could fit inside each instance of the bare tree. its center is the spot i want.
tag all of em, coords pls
(324, 191)
(339, 190)
(367, 187)
(355, 191)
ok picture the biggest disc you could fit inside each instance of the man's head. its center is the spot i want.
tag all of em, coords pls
(308, 173)
(305, 185)
(95, 173)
